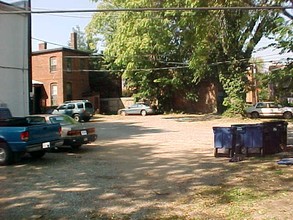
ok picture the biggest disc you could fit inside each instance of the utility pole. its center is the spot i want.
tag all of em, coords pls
(252, 95)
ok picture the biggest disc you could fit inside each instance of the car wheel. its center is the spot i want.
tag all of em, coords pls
(76, 117)
(287, 115)
(143, 113)
(37, 154)
(6, 155)
(254, 115)
(122, 113)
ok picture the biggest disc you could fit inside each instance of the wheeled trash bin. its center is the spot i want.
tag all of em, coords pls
(275, 136)
(248, 138)
(224, 141)
(266, 137)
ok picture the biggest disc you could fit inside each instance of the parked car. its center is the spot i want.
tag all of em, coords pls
(80, 110)
(269, 109)
(73, 133)
(137, 109)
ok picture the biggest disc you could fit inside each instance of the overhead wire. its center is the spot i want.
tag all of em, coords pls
(12, 68)
(146, 9)
(52, 12)
(45, 41)
(66, 16)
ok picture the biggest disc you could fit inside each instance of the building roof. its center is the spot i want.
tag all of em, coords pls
(17, 5)
(60, 49)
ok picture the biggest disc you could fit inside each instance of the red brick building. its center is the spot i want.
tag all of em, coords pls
(61, 74)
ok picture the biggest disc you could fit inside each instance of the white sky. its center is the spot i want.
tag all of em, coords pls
(56, 28)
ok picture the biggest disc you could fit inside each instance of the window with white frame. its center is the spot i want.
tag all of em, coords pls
(53, 64)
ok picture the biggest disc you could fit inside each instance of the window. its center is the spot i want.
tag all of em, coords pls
(70, 106)
(62, 107)
(79, 105)
(88, 105)
(68, 91)
(68, 63)
(53, 64)
(82, 65)
(54, 93)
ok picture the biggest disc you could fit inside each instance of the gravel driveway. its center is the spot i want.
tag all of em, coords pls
(138, 167)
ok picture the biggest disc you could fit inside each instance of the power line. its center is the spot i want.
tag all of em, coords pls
(148, 10)
(12, 68)
(67, 16)
(162, 68)
(48, 42)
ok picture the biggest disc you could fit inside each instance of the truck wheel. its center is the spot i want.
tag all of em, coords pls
(6, 155)
(76, 117)
(37, 154)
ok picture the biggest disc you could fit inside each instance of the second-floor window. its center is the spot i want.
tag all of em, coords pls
(53, 64)
(68, 63)
(82, 65)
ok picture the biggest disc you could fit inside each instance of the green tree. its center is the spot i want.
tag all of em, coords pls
(280, 82)
(168, 52)
(283, 32)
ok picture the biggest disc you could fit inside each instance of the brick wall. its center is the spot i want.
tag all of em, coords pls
(41, 72)
(75, 75)
(207, 100)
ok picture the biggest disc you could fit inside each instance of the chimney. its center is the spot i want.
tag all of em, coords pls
(73, 40)
(43, 46)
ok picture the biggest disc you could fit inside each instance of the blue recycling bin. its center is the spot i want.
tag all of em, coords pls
(248, 137)
(224, 139)
(267, 137)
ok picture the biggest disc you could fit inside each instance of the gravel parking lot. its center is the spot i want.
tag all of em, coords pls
(139, 168)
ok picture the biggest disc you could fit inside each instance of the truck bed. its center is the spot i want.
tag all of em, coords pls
(13, 129)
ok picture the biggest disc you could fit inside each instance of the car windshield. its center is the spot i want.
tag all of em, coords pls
(63, 120)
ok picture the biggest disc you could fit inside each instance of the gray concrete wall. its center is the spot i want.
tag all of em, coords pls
(112, 105)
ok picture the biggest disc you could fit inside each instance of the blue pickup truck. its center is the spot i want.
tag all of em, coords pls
(17, 137)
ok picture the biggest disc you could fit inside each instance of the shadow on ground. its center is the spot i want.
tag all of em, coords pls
(119, 180)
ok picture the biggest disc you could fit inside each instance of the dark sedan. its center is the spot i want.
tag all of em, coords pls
(73, 133)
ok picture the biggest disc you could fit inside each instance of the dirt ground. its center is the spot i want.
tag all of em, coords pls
(153, 167)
